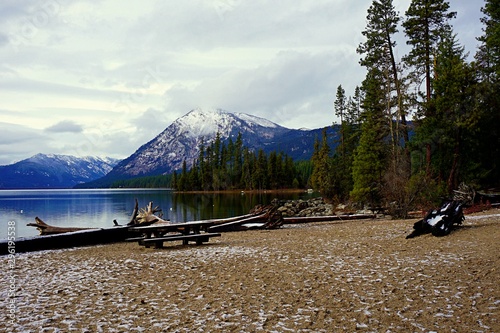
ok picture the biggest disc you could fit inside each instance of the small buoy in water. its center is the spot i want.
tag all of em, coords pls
(22, 211)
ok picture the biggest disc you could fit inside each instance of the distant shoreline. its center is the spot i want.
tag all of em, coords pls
(246, 191)
(160, 188)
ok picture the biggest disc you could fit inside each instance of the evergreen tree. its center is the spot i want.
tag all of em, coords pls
(488, 55)
(304, 170)
(379, 52)
(238, 161)
(247, 169)
(426, 21)
(488, 95)
(370, 157)
(260, 171)
(215, 162)
(272, 170)
(340, 106)
(341, 162)
(354, 107)
(174, 180)
(290, 173)
(314, 179)
(321, 177)
(456, 117)
(203, 167)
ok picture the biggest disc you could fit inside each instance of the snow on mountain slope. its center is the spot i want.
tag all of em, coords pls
(203, 123)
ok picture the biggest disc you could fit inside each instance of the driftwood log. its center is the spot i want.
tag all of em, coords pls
(143, 216)
(46, 229)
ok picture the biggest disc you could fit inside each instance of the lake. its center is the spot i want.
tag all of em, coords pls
(99, 207)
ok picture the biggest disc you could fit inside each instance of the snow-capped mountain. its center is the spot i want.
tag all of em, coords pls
(54, 171)
(182, 139)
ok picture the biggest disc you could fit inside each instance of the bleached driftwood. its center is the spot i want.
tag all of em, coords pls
(46, 229)
(147, 215)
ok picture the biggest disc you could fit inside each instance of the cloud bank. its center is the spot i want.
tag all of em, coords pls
(89, 77)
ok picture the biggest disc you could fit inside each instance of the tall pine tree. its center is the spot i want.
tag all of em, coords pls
(426, 22)
(370, 158)
(488, 97)
(379, 52)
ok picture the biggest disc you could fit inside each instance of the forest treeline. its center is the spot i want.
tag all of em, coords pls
(410, 133)
(230, 165)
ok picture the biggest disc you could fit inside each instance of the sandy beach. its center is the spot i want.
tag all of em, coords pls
(323, 277)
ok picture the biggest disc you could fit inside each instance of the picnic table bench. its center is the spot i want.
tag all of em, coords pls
(158, 234)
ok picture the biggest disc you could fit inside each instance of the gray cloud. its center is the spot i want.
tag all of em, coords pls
(18, 142)
(290, 85)
(65, 126)
(123, 71)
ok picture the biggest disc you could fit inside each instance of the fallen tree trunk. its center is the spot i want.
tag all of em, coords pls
(46, 229)
(67, 240)
(260, 217)
(148, 214)
(238, 224)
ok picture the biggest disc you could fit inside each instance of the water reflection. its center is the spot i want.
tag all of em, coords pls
(98, 208)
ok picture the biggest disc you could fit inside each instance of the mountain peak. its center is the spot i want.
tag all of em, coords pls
(181, 140)
(207, 122)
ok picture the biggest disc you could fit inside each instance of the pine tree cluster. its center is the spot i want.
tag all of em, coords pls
(384, 159)
(228, 166)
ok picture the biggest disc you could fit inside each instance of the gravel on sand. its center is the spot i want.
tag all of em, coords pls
(318, 277)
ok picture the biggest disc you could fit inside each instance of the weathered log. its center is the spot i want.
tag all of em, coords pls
(46, 229)
(134, 213)
(147, 215)
(238, 224)
(67, 240)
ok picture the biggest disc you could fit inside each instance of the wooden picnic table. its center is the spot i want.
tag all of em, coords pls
(157, 234)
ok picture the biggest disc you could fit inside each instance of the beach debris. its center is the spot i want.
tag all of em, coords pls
(260, 217)
(46, 229)
(147, 216)
(440, 221)
(144, 216)
(465, 194)
(272, 216)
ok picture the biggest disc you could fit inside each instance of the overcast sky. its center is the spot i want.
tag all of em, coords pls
(103, 77)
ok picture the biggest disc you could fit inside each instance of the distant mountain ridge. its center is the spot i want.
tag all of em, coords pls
(182, 139)
(54, 171)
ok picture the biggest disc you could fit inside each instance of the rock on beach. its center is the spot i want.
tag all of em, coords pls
(342, 276)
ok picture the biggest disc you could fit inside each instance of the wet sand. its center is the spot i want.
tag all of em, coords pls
(323, 277)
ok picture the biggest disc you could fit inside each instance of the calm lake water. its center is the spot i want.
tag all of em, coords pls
(98, 208)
